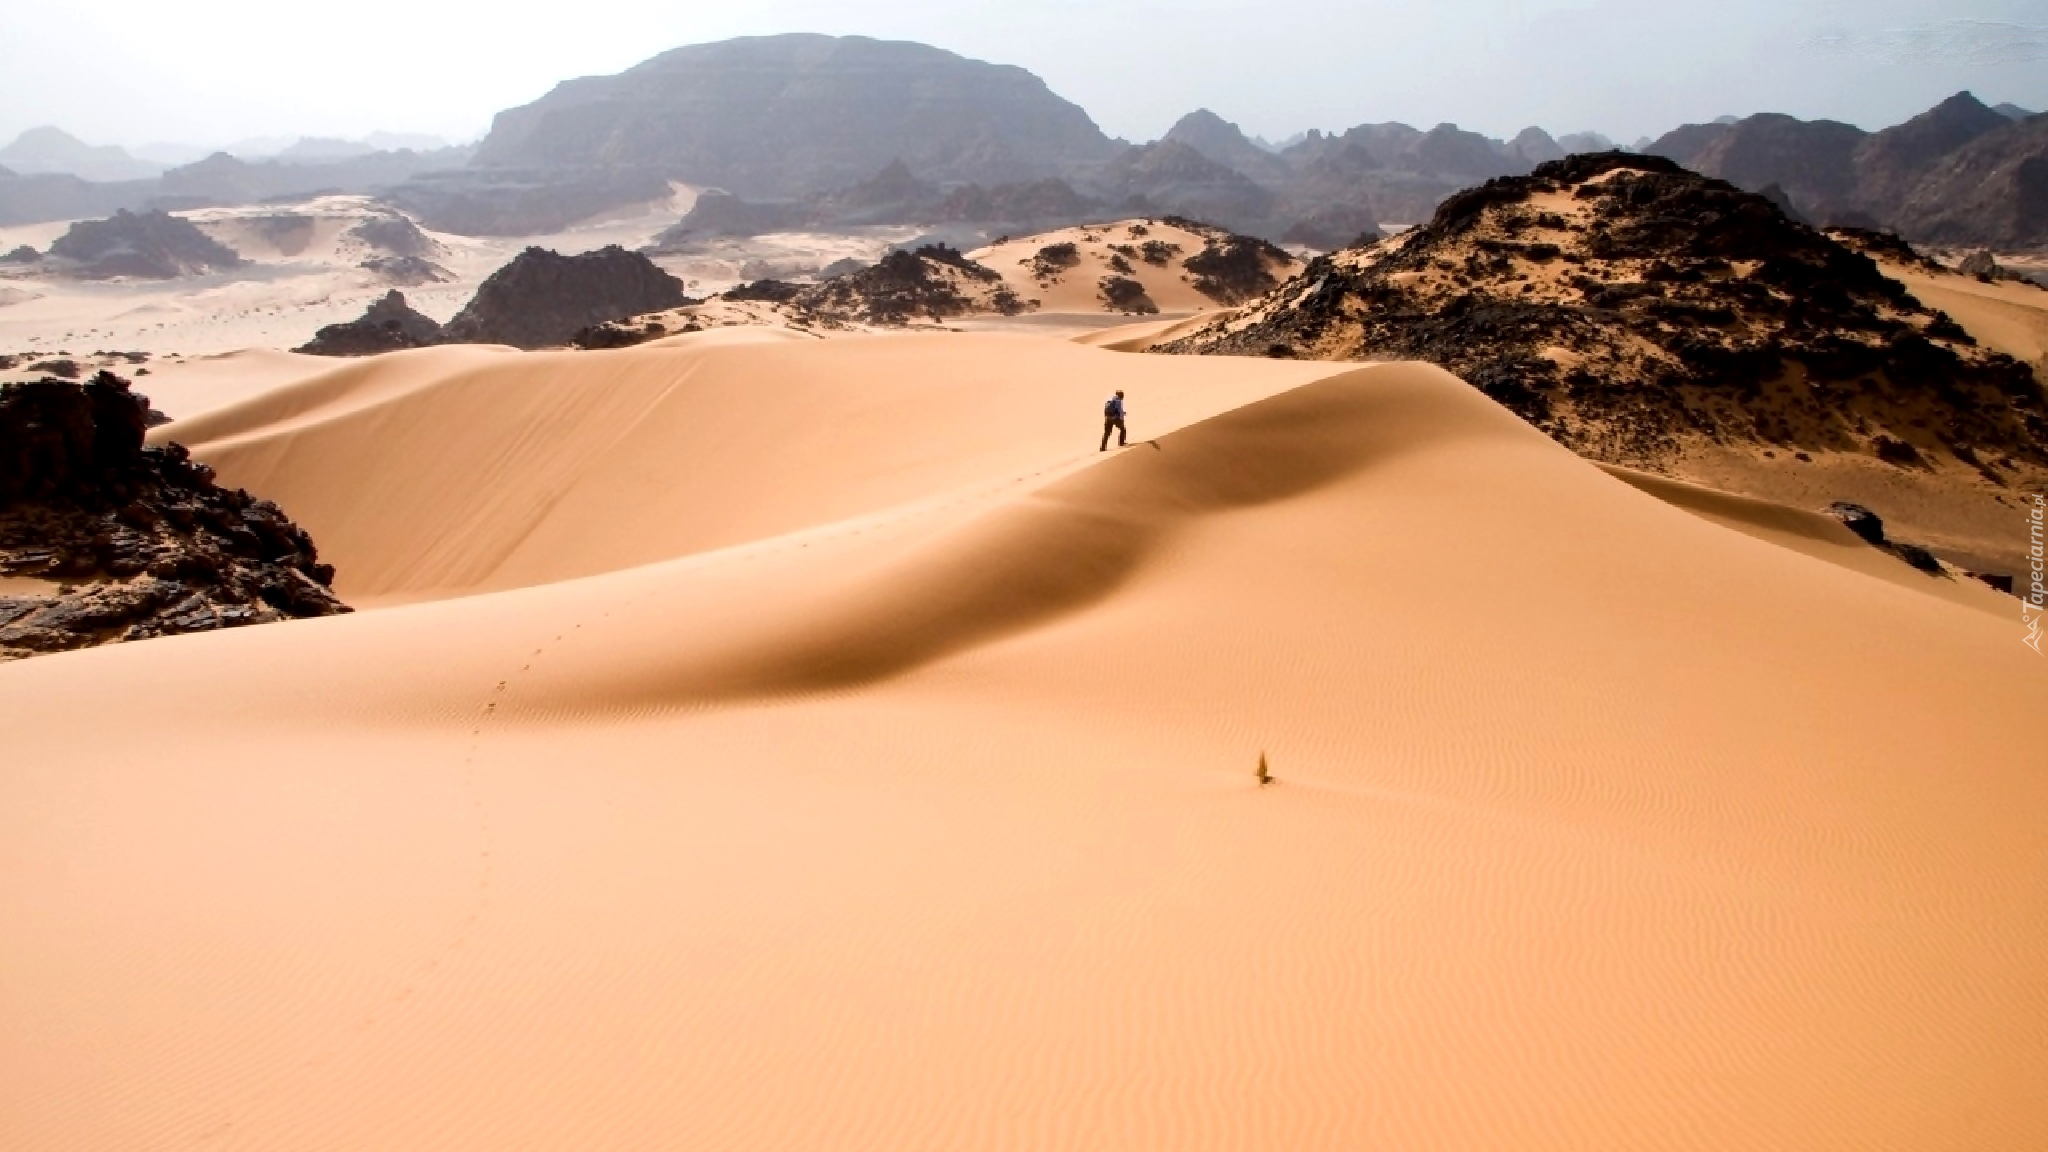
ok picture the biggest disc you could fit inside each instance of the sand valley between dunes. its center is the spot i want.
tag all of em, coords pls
(753, 742)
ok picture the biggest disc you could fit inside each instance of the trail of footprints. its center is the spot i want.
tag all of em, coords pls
(479, 902)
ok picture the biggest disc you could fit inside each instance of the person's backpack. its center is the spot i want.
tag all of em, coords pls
(1109, 409)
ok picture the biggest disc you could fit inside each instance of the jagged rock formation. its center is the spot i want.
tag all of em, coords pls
(1173, 177)
(1226, 144)
(147, 245)
(1891, 163)
(1535, 146)
(388, 325)
(1628, 306)
(132, 542)
(786, 116)
(1960, 173)
(1992, 191)
(543, 299)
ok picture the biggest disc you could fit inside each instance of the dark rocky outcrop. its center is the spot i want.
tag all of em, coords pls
(1630, 307)
(23, 254)
(388, 325)
(543, 298)
(135, 541)
(146, 245)
(395, 236)
(1231, 269)
(788, 116)
(931, 283)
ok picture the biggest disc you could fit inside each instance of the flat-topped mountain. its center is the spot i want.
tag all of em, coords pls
(797, 114)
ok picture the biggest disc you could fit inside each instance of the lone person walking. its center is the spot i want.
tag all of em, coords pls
(1113, 421)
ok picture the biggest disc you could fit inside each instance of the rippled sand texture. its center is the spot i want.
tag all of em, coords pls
(766, 744)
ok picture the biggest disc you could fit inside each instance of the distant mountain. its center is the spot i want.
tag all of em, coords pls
(2011, 111)
(1992, 191)
(1537, 146)
(1170, 176)
(784, 116)
(1812, 160)
(1959, 173)
(1225, 143)
(1891, 163)
(224, 179)
(54, 151)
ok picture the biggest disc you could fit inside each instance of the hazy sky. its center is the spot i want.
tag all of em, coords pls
(211, 71)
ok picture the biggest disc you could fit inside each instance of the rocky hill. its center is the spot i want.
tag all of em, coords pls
(103, 539)
(1634, 309)
(388, 325)
(542, 299)
(786, 116)
(931, 284)
(146, 245)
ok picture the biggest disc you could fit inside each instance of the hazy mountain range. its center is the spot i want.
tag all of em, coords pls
(822, 131)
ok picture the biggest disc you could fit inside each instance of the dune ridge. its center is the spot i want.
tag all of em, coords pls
(915, 806)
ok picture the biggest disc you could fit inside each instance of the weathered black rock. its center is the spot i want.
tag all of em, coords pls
(1631, 308)
(1860, 520)
(140, 540)
(146, 245)
(388, 325)
(542, 299)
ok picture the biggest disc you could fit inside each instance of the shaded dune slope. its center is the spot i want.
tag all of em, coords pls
(924, 815)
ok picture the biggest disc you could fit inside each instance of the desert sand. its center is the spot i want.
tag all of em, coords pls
(1076, 289)
(289, 291)
(753, 742)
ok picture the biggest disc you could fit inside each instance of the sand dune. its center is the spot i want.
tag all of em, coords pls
(827, 748)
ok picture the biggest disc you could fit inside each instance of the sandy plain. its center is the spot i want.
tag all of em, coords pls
(758, 742)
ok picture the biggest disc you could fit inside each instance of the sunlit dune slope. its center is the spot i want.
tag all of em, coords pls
(447, 469)
(921, 812)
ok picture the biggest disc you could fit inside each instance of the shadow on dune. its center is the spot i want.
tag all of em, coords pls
(1071, 545)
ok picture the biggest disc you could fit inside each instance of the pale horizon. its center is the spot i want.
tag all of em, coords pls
(216, 74)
